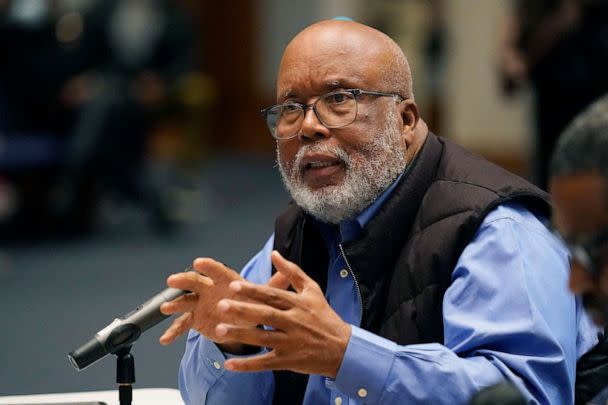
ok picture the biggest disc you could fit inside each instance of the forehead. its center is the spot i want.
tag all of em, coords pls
(320, 63)
(580, 203)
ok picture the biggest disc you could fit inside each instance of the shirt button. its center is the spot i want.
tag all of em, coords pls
(217, 365)
(338, 401)
(343, 273)
(362, 392)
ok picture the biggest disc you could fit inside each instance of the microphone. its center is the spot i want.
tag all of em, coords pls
(124, 331)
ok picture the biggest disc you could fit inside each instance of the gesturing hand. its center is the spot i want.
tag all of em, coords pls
(208, 285)
(307, 335)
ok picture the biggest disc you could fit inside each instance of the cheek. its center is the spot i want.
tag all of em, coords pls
(286, 153)
(355, 139)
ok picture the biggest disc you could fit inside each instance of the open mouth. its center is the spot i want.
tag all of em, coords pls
(322, 170)
(321, 165)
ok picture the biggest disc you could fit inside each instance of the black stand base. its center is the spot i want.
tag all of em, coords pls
(125, 375)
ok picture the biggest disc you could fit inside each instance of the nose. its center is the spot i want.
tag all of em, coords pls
(312, 128)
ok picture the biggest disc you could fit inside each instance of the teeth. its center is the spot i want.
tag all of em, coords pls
(316, 165)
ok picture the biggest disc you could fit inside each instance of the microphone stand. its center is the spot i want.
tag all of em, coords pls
(125, 375)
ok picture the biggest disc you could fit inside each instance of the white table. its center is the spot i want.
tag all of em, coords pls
(141, 396)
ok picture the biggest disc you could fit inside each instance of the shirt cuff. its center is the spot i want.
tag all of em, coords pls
(211, 378)
(366, 365)
(213, 357)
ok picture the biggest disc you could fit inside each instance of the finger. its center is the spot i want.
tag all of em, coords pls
(180, 325)
(257, 314)
(266, 361)
(264, 294)
(249, 335)
(214, 269)
(185, 303)
(279, 280)
(190, 281)
(298, 279)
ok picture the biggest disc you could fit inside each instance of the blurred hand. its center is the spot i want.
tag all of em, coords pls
(512, 63)
(514, 66)
(307, 335)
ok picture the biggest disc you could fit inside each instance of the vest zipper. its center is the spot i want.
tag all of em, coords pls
(352, 273)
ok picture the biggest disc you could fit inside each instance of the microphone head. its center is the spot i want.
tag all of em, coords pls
(87, 354)
(120, 337)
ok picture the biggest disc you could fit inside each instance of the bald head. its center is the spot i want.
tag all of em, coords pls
(334, 47)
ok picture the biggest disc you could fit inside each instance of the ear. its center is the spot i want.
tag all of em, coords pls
(410, 117)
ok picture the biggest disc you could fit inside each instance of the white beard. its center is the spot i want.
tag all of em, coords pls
(369, 171)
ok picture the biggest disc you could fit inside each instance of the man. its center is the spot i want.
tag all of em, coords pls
(579, 186)
(419, 273)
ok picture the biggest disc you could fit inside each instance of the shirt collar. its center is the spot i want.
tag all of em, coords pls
(349, 229)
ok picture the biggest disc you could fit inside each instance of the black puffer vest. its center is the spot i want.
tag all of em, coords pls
(404, 258)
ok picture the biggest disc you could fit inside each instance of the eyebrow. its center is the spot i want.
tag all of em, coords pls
(329, 86)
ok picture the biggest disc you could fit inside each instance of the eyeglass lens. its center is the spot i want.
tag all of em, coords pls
(333, 110)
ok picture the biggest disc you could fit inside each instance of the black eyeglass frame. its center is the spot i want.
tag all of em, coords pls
(305, 107)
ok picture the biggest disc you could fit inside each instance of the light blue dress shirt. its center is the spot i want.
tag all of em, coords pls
(508, 314)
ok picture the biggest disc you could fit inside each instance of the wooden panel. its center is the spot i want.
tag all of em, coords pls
(228, 46)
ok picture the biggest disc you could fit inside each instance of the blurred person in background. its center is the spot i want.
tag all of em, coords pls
(561, 48)
(93, 78)
(421, 273)
(579, 187)
(139, 54)
(42, 45)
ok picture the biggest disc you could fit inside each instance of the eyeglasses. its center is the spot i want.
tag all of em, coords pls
(334, 110)
(588, 253)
